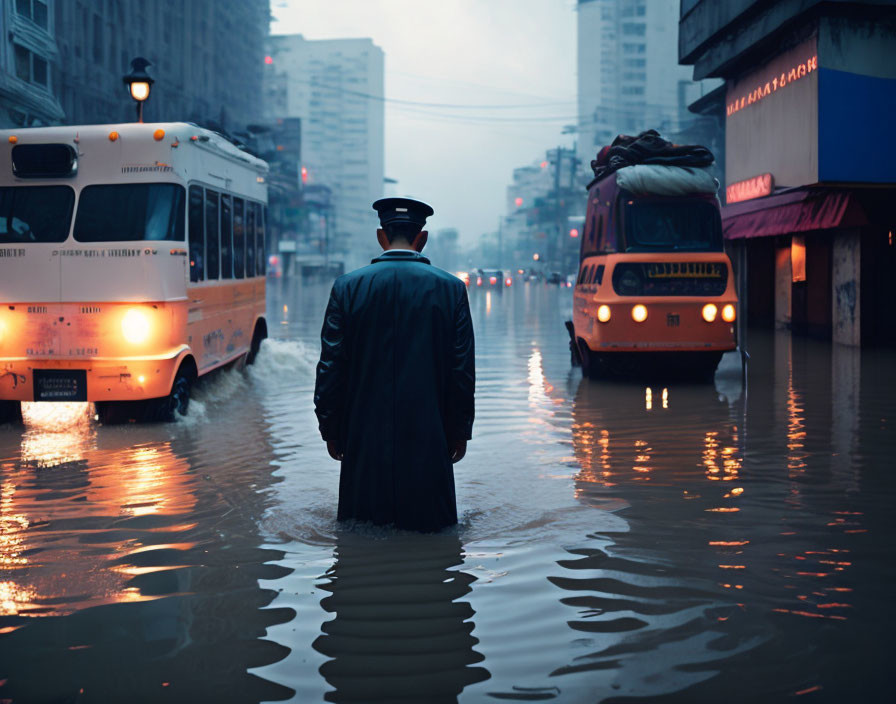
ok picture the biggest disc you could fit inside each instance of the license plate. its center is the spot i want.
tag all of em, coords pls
(60, 385)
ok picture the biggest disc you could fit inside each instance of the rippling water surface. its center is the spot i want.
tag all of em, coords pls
(652, 541)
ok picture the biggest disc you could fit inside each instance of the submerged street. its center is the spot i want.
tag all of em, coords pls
(617, 539)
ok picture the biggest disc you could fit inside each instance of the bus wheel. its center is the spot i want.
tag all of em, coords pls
(178, 400)
(258, 336)
(167, 408)
(10, 412)
(590, 363)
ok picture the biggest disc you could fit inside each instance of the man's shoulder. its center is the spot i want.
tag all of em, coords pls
(418, 269)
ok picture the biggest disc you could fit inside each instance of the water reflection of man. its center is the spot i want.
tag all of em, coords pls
(399, 631)
(394, 392)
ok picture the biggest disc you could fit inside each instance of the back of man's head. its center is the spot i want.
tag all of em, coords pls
(401, 231)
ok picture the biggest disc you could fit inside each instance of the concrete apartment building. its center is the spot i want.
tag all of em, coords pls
(28, 48)
(207, 56)
(810, 170)
(629, 79)
(335, 86)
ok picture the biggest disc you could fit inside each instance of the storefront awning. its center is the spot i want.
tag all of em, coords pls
(799, 210)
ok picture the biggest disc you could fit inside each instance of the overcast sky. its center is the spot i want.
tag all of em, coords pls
(460, 52)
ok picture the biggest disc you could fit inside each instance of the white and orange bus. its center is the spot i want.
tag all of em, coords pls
(655, 289)
(131, 263)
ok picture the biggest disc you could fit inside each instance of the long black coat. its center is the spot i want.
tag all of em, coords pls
(394, 389)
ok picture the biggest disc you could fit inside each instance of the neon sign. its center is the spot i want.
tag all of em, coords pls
(755, 187)
(778, 82)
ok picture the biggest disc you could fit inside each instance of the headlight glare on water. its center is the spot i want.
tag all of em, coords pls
(135, 326)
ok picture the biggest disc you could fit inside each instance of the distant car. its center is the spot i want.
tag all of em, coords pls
(275, 267)
(555, 277)
(570, 280)
(463, 276)
(493, 278)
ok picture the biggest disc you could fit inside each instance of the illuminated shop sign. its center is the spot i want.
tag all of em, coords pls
(755, 187)
(794, 73)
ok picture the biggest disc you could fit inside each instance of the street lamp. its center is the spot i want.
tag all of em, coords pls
(139, 83)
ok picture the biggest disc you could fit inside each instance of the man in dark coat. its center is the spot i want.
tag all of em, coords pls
(395, 381)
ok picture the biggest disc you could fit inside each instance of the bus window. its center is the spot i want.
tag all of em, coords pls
(581, 278)
(261, 215)
(661, 226)
(250, 240)
(211, 235)
(130, 212)
(226, 238)
(239, 238)
(197, 235)
(35, 213)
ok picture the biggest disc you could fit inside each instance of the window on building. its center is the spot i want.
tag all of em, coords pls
(633, 90)
(34, 10)
(633, 29)
(30, 67)
(23, 63)
(38, 70)
(97, 39)
(629, 48)
(635, 63)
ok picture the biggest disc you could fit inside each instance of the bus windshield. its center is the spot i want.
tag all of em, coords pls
(35, 213)
(669, 226)
(130, 212)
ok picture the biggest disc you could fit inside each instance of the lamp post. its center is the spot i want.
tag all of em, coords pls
(139, 83)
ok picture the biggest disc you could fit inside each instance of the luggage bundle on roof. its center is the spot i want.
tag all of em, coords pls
(647, 163)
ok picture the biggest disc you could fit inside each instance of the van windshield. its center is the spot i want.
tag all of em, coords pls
(35, 213)
(671, 226)
(130, 212)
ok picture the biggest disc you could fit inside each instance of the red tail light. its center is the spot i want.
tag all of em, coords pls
(507, 282)
(479, 281)
(493, 280)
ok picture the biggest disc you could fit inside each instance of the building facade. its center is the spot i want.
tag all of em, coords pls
(27, 51)
(810, 176)
(207, 59)
(629, 79)
(336, 87)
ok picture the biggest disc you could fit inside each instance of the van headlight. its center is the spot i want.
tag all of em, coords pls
(710, 312)
(729, 313)
(135, 326)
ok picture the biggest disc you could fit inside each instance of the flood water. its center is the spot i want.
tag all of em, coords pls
(618, 541)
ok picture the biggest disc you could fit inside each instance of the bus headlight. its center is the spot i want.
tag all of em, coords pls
(135, 326)
(639, 313)
(729, 313)
(710, 312)
(603, 314)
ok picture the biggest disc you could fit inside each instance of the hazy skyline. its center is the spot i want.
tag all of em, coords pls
(516, 56)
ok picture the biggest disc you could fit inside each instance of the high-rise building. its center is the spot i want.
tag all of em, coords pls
(28, 47)
(336, 87)
(629, 79)
(207, 59)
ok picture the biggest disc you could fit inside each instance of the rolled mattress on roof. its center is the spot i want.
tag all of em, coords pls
(651, 179)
